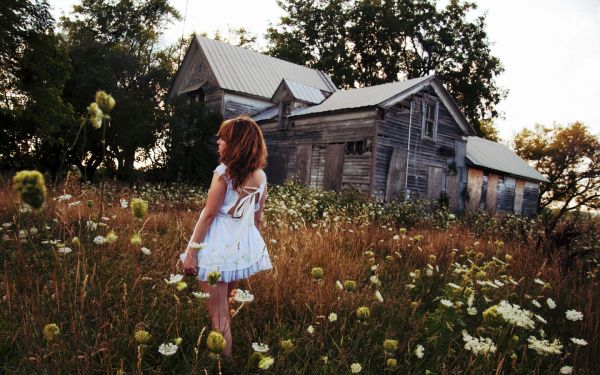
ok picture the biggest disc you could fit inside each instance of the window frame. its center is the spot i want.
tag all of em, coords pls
(435, 105)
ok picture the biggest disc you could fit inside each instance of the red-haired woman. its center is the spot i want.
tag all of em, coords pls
(228, 224)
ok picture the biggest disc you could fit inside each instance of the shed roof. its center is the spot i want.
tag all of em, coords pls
(242, 70)
(361, 97)
(304, 93)
(492, 155)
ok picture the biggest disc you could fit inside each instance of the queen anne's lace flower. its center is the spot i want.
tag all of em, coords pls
(566, 370)
(478, 345)
(574, 315)
(174, 279)
(167, 349)
(577, 341)
(419, 351)
(513, 314)
(355, 368)
(243, 296)
(544, 347)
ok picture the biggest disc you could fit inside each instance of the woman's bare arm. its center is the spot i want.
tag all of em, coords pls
(261, 206)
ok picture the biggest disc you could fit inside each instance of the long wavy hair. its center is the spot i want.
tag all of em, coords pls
(245, 151)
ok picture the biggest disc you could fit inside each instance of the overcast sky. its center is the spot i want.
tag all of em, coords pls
(550, 50)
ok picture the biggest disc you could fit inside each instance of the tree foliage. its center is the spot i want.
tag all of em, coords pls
(367, 42)
(569, 156)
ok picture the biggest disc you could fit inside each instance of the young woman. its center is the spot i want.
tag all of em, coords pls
(228, 224)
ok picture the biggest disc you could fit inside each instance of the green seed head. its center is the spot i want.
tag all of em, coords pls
(216, 342)
(31, 187)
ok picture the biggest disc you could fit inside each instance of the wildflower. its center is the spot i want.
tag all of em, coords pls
(544, 347)
(243, 296)
(287, 345)
(273, 241)
(174, 279)
(378, 296)
(355, 368)
(177, 341)
(216, 342)
(139, 208)
(446, 302)
(363, 313)
(316, 273)
(390, 258)
(31, 187)
(146, 251)
(200, 295)
(51, 331)
(167, 349)
(540, 318)
(349, 285)
(64, 197)
(454, 286)
(64, 250)
(551, 303)
(402, 231)
(75, 241)
(536, 303)
(196, 245)
(136, 240)
(566, 370)
(310, 329)
(539, 282)
(104, 101)
(259, 347)
(339, 285)
(213, 277)
(429, 272)
(266, 362)
(478, 345)
(332, 317)
(181, 285)
(96, 115)
(390, 345)
(515, 315)
(142, 337)
(325, 359)
(419, 351)
(73, 204)
(580, 342)
(574, 315)
(471, 310)
(123, 203)
(99, 240)
(396, 237)
(111, 237)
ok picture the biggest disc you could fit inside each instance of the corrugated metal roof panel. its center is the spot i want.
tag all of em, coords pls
(305, 93)
(242, 70)
(488, 154)
(267, 114)
(361, 97)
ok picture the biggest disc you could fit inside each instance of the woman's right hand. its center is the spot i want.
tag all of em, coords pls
(190, 264)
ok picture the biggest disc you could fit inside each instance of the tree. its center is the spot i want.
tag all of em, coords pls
(367, 42)
(570, 158)
(113, 47)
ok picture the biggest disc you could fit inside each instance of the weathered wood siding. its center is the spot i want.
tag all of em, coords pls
(320, 133)
(235, 105)
(530, 198)
(423, 154)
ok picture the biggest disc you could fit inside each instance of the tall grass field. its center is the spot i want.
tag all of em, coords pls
(357, 286)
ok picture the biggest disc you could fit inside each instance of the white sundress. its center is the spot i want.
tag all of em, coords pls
(233, 245)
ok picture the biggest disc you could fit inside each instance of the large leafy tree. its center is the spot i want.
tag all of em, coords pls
(368, 42)
(569, 156)
(113, 47)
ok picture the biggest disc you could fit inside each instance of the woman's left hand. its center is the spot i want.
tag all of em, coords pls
(190, 265)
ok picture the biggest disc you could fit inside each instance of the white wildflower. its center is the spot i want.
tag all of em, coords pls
(174, 279)
(99, 240)
(196, 245)
(260, 347)
(420, 351)
(378, 296)
(446, 302)
(355, 368)
(64, 197)
(146, 251)
(551, 303)
(478, 345)
(515, 315)
(566, 370)
(243, 296)
(73, 204)
(574, 315)
(338, 284)
(310, 329)
(538, 281)
(64, 250)
(124, 203)
(332, 317)
(396, 237)
(200, 295)
(544, 347)
(454, 286)
(429, 272)
(375, 280)
(541, 319)
(536, 303)
(472, 311)
(577, 341)
(167, 349)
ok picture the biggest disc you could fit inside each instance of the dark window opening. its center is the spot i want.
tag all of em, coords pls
(358, 147)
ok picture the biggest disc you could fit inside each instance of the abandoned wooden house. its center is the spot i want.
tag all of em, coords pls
(398, 140)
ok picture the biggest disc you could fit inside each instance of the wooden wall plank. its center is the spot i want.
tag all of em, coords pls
(396, 177)
(452, 181)
(303, 159)
(492, 188)
(334, 164)
(435, 179)
(519, 189)
(474, 182)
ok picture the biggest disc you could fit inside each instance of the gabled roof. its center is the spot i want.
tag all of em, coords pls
(386, 95)
(491, 155)
(245, 71)
(267, 114)
(301, 92)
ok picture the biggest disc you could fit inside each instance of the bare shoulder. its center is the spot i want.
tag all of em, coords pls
(258, 177)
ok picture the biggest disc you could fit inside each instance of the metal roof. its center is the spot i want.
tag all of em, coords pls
(361, 97)
(241, 70)
(305, 93)
(492, 155)
(267, 114)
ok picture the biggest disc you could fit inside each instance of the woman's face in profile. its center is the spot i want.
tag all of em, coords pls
(222, 146)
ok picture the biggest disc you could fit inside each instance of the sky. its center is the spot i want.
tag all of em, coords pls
(550, 50)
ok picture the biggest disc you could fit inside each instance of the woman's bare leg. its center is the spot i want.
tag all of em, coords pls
(218, 309)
